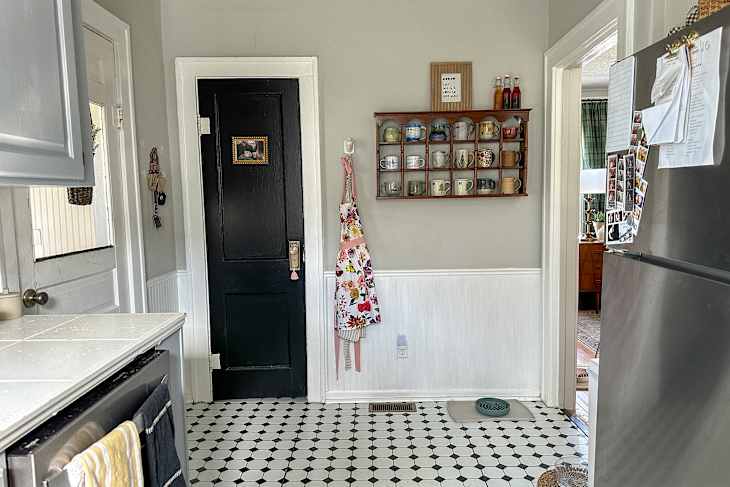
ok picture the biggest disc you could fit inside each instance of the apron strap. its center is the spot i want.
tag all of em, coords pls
(357, 356)
(349, 178)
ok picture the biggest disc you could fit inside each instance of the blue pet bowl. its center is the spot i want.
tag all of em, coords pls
(491, 406)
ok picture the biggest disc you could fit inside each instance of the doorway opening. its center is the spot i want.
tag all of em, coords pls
(592, 217)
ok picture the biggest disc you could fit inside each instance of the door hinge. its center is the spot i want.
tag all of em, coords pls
(118, 116)
(215, 361)
(203, 125)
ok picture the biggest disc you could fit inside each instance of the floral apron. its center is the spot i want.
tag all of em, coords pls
(356, 304)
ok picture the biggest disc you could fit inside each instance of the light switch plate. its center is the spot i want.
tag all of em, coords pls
(203, 126)
(215, 361)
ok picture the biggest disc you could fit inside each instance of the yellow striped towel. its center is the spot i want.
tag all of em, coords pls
(113, 461)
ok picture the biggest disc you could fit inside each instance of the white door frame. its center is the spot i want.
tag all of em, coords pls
(561, 189)
(197, 328)
(130, 236)
(132, 270)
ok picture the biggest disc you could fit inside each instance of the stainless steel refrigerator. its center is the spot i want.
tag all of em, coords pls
(664, 389)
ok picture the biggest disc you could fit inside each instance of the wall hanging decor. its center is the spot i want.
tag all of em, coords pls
(250, 150)
(450, 86)
(156, 183)
(356, 303)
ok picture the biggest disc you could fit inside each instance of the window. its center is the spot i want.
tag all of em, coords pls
(60, 228)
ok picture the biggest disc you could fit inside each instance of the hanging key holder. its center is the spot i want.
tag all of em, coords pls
(156, 183)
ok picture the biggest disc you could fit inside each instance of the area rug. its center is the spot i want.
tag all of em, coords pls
(466, 412)
(589, 329)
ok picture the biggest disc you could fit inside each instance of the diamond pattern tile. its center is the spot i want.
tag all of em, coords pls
(272, 442)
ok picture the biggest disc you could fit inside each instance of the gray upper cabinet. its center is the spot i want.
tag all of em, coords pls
(44, 110)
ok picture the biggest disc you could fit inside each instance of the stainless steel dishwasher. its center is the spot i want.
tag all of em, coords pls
(38, 458)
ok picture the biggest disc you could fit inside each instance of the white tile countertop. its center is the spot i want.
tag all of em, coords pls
(47, 362)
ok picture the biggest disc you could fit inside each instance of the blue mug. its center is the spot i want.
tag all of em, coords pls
(414, 132)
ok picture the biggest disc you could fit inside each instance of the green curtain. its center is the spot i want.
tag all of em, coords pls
(593, 148)
(593, 119)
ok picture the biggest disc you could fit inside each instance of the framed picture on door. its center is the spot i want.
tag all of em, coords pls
(250, 150)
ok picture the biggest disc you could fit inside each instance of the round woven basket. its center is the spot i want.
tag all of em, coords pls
(81, 196)
(491, 406)
(564, 476)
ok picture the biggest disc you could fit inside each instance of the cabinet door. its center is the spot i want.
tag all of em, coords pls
(44, 116)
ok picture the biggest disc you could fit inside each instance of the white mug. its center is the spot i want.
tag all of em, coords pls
(464, 158)
(415, 162)
(439, 159)
(389, 163)
(440, 187)
(463, 187)
(463, 130)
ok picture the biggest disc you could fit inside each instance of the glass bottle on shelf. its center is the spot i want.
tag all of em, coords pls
(516, 94)
(498, 93)
(506, 94)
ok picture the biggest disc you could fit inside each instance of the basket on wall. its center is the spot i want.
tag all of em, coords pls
(82, 196)
(709, 7)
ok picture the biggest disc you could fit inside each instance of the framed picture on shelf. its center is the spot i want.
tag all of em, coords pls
(451, 86)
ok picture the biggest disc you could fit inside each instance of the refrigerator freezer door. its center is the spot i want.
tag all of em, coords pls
(687, 211)
(664, 384)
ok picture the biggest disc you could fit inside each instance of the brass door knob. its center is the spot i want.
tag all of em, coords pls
(31, 297)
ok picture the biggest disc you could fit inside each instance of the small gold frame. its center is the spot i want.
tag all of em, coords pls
(250, 150)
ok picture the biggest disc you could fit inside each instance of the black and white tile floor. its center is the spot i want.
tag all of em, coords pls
(271, 442)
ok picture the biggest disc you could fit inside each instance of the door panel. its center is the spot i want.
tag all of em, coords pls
(69, 251)
(251, 212)
(664, 384)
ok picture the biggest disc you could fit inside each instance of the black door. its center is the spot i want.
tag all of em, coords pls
(253, 208)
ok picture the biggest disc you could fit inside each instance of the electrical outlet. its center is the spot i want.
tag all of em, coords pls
(402, 347)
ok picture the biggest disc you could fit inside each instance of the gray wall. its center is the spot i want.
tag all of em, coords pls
(144, 19)
(566, 14)
(365, 67)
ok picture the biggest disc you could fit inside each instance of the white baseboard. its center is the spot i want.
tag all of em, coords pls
(470, 333)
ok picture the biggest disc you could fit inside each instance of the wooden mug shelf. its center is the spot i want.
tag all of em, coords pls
(497, 171)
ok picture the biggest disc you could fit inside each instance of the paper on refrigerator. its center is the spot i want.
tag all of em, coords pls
(697, 148)
(666, 121)
(620, 105)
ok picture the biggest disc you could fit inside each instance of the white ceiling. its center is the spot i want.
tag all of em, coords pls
(595, 71)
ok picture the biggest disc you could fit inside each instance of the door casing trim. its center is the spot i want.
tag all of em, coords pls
(197, 328)
(561, 189)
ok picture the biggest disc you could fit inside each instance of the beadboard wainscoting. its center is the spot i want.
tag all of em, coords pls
(470, 333)
(162, 293)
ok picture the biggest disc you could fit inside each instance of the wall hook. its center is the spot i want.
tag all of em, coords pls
(349, 146)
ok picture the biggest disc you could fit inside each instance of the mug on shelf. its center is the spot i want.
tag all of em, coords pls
(439, 159)
(511, 184)
(439, 130)
(463, 158)
(391, 134)
(510, 132)
(389, 163)
(415, 132)
(416, 188)
(463, 130)
(463, 186)
(486, 185)
(485, 158)
(489, 130)
(440, 187)
(415, 162)
(390, 188)
(511, 158)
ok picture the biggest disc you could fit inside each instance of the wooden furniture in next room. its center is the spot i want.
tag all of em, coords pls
(590, 269)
